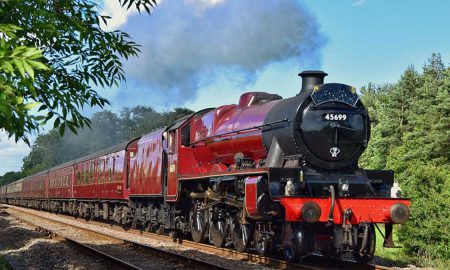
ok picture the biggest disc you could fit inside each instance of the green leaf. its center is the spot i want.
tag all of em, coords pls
(56, 123)
(19, 64)
(38, 65)
(62, 129)
(28, 69)
(33, 91)
(31, 105)
(40, 118)
(7, 66)
(73, 129)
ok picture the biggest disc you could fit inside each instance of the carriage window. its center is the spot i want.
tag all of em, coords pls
(114, 169)
(99, 170)
(91, 172)
(109, 168)
(103, 170)
(81, 173)
(186, 135)
(86, 172)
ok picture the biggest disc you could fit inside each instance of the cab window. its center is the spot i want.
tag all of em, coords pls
(186, 135)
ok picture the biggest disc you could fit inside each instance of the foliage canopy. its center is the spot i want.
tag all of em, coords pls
(411, 135)
(52, 54)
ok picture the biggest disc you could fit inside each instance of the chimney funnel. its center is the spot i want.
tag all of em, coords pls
(311, 78)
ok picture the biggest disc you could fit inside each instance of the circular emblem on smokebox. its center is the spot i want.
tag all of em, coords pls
(334, 151)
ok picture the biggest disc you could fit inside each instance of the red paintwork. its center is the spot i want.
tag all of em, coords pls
(251, 195)
(364, 209)
(146, 167)
(219, 134)
(83, 184)
(173, 166)
(102, 177)
(60, 183)
(111, 176)
(35, 187)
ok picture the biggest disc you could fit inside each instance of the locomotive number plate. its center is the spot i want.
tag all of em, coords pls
(334, 117)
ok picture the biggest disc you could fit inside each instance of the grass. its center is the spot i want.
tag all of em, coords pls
(398, 257)
(394, 256)
(4, 265)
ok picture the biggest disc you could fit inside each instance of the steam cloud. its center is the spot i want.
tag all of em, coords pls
(185, 44)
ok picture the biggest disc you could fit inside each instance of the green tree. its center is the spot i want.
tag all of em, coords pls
(52, 54)
(422, 164)
(10, 177)
(411, 135)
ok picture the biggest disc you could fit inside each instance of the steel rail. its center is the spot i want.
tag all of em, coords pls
(121, 263)
(224, 252)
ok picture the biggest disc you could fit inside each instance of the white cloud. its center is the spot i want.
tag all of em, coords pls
(119, 15)
(204, 4)
(357, 3)
(11, 153)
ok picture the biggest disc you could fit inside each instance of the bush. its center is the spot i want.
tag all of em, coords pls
(427, 233)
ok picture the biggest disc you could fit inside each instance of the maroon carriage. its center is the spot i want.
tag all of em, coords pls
(35, 188)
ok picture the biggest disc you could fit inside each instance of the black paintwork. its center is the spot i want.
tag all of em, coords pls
(305, 133)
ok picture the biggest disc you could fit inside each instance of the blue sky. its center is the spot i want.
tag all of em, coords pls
(365, 41)
(356, 42)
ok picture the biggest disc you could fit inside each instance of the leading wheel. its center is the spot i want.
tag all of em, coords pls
(365, 252)
(289, 253)
(263, 243)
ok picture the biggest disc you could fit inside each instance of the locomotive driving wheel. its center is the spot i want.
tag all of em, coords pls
(198, 223)
(218, 228)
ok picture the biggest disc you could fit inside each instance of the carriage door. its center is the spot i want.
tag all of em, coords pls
(171, 183)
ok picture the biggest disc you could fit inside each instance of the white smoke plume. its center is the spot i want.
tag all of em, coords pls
(186, 43)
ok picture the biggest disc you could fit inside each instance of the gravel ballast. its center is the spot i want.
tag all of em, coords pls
(26, 248)
(65, 231)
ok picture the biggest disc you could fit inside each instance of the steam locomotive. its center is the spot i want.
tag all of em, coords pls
(272, 175)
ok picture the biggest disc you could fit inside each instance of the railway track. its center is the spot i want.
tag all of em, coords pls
(118, 252)
(315, 262)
